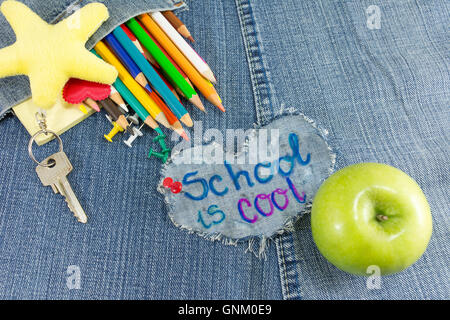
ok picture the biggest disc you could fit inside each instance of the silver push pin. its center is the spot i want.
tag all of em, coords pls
(136, 133)
(134, 119)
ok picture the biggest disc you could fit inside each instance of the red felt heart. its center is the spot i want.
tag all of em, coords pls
(76, 91)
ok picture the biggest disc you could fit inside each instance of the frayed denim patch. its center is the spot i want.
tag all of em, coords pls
(252, 195)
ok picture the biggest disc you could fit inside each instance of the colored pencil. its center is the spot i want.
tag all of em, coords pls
(168, 84)
(198, 103)
(156, 81)
(165, 53)
(136, 105)
(126, 60)
(92, 104)
(183, 46)
(175, 124)
(178, 24)
(117, 98)
(197, 79)
(164, 108)
(113, 110)
(138, 45)
(132, 85)
(165, 64)
(148, 103)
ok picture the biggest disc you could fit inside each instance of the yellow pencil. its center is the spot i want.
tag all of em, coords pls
(132, 85)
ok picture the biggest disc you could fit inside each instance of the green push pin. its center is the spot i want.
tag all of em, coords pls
(160, 138)
(156, 154)
(164, 155)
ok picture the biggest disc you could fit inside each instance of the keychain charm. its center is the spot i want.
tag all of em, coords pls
(53, 170)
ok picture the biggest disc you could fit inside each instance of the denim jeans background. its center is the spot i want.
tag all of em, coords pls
(382, 94)
(129, 249)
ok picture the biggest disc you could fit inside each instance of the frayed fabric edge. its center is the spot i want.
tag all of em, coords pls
(256, 244)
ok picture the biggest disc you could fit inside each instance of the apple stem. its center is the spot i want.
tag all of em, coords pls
(381, 217)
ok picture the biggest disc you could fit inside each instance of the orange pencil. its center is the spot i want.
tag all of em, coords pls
(173, 120)
(197, 79)
(175, 124)
(169, 114)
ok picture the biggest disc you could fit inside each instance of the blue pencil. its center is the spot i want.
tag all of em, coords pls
(131, 66)
(156, 81)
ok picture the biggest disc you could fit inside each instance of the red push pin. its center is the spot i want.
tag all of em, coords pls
(175, 187)
(167, 183)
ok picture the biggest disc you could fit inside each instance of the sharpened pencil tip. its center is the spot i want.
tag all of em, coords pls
(123, 108)
(210, 76)
(92, 104)
(159, 131)
(185, 136)
(221, 107)
(187, 120)
(148, 88)
(191, 39)
(195, 100)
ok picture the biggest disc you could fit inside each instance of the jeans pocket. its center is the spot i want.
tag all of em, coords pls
(14, 90)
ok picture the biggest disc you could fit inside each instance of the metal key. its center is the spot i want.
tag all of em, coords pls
(54, 174)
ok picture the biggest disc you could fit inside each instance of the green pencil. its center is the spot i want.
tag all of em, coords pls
(165, 63)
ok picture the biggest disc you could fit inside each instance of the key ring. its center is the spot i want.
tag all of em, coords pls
(30, 146)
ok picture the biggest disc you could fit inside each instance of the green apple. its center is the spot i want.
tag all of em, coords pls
(371, 214)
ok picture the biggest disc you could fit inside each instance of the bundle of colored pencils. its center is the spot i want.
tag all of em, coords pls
(156, 66)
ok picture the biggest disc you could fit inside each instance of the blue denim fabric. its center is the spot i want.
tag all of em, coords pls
(129, 249)
(14, 90)
(383, 95)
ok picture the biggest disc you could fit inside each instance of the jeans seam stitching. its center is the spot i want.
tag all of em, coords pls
(257, 67)
(283, 272)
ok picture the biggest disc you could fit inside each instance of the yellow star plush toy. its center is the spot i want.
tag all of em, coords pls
(52, 54)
